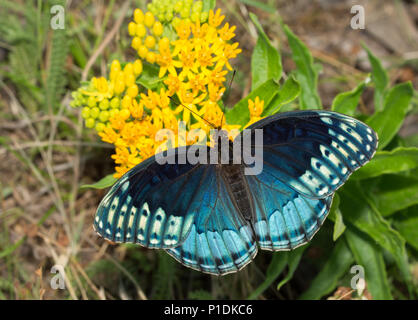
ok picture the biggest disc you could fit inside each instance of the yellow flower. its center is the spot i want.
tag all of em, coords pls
(228, 52)
(227, 33)
(187, 62)
(173, 84)
(256, 108)
(215, 19)
(166, 62)
(197, 83)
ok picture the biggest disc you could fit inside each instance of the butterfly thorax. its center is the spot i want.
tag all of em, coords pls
(237, 186)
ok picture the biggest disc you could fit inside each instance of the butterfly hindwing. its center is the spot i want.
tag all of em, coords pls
(220, 241)
(284, 218)
(314, 152)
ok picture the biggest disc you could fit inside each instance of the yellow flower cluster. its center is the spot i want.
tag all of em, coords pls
(192, 66)
(102, 99)
(256, 108)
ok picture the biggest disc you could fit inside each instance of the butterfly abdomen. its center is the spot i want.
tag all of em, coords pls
(233, 174)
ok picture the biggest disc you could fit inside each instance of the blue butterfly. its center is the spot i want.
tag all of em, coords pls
(212, 218)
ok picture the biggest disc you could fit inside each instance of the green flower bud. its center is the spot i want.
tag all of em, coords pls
(85, 112)
(104, 104)
(91, 101)
(100, 127)
(104, 116)
(204, 16)
(115, 103)
(185, 12)
(94, 112)
(90, 123)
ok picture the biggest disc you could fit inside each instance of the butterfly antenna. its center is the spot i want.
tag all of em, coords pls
(229, 87)
(181, 104)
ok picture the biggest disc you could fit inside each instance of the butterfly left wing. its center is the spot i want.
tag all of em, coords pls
(284, 218)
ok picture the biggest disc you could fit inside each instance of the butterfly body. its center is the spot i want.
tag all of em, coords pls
(238, 189)
(214, 217)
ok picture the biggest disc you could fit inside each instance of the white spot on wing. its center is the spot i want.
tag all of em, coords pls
(326, 120)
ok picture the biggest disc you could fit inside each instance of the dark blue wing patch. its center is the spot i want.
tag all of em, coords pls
(315, 152)
(152, 204)
(220, 241)
(285, 219)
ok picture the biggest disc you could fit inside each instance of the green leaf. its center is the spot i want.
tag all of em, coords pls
(406, 222)
(287, 93)
(103, 183)
(359, 210)
(395, 193)
(266, 62)
(347, 102)
(258, 4)
(149, 76)
(380, 79)
(335, 267)
(384, 162)
(293, 262)
(240, 114)
(388, 121)
(276, 267)
(10, 249)
(306, 73)
(370, 257)
(208, 5)
(336, 216)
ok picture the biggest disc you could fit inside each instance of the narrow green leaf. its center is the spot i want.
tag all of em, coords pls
(276, 267)
(395, 193)
(336, 217)
(10, 249)
(293, 262)
(368, 255)
(380, 79)
(388, 121)
(258, 4)
(266, 62)
(385, 162)
(306, 73)
(360, 211)
(406, 222)
(103, 183)
(208, 5)
(347, 102)
(335, 267)
(287, 93)
(240, 114)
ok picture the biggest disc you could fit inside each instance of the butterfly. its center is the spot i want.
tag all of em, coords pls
(213, 217)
